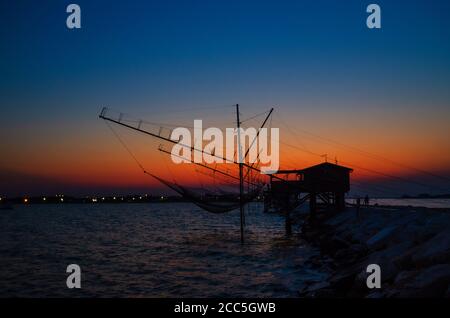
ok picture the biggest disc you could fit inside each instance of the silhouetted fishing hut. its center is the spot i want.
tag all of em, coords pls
(326, 182)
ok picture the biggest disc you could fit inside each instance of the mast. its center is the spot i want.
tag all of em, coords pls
(241, 177)
(259, 130)
(256, 137)
(139, 129)
(103, 116)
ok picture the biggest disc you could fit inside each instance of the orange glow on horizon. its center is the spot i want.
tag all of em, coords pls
(372, 146)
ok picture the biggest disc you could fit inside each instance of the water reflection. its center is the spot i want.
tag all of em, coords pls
(148, 250)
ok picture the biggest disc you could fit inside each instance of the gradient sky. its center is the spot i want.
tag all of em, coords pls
(382, 91)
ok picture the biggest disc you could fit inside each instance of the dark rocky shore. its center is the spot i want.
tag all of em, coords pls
(411, 245)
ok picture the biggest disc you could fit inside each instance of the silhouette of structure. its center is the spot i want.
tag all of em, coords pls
(201, 201)
(326, 182)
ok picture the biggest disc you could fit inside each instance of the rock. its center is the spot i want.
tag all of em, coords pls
(404, 260)
(435, 223)
(405, 277)
(383, 258)
(376, 294)
(341, 218)
(351, 254)
(344, 279)
(334, 244)
(344, 255)
(324, 293)
(431, 282)
(313, 289)
(382, 238)
(317, 286)
(359, 248)
(434, 251)
(412, 247)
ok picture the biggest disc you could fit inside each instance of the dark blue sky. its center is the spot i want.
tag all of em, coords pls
(311, 58)
(223, 46)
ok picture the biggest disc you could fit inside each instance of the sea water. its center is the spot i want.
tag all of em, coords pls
(148, 250)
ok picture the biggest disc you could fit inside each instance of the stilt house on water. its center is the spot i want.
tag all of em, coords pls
(326, 182)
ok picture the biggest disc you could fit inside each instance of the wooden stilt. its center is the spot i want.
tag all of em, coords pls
(241, 175)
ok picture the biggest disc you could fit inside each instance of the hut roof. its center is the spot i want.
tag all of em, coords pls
(323, 165)
(327, 165)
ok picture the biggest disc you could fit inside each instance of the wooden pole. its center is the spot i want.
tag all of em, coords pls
(241, 177)
(226, 160)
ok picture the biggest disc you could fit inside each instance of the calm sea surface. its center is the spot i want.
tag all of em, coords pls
(148, 250)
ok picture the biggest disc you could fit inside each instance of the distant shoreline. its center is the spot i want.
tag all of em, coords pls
(59, 199)
(62, 199)
(426, 196)
(138, 198)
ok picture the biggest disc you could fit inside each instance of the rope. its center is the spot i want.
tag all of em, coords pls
(371, 170)
(172, 175)
(126, 147)
(368, 154)
(253, 117)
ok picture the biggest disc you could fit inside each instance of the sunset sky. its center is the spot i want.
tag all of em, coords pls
(377, 100)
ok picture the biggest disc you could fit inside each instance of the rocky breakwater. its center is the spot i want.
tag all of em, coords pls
(411, 246)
